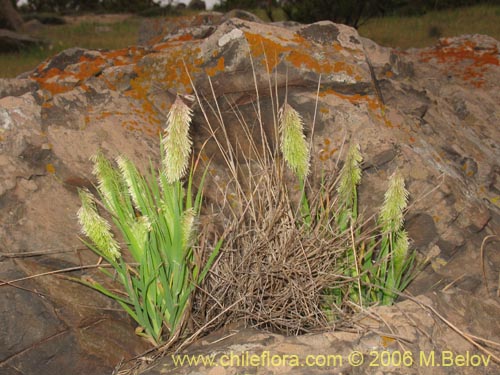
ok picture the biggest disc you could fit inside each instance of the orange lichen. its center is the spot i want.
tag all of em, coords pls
(299, 52)
(173, 72)
(50, 168)
(89, 67)
(217, 68)
(465, 61)
(387, 341)
(371, 102)
(323, 155)
(388, 123)
(48, 81)
(58, 81)
(265, 48)
(182, 38)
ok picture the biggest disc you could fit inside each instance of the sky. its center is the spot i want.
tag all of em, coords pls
(208, 3)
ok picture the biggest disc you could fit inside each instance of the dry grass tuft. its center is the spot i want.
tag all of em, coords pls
(273, 267)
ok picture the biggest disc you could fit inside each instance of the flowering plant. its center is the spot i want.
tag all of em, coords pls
(156, 217)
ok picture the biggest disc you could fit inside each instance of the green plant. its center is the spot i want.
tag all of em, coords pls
(296, 153)
(291, 261)
(393, 260)
(372, 283)
(381, 269)
(156, 217)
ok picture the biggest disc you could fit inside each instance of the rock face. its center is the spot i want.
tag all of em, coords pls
(431, 113)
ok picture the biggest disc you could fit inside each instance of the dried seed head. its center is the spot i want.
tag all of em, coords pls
(293, 141)
(177, 144)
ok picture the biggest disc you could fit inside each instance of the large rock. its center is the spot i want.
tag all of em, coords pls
(403, 339)
(12, 41)
(431, 113)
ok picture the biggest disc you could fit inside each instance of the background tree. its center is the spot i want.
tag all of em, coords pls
(61, 6)
(9, 17)
(348, 12)
(197, 5)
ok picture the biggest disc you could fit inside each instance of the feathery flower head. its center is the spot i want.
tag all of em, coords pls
(96, 228)
(107, 179)
(400, 251)
(177, 144)
(188, 220)
(395, 201)
(350, 176)
(140, 230)
(130, 175)
(293, 141)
